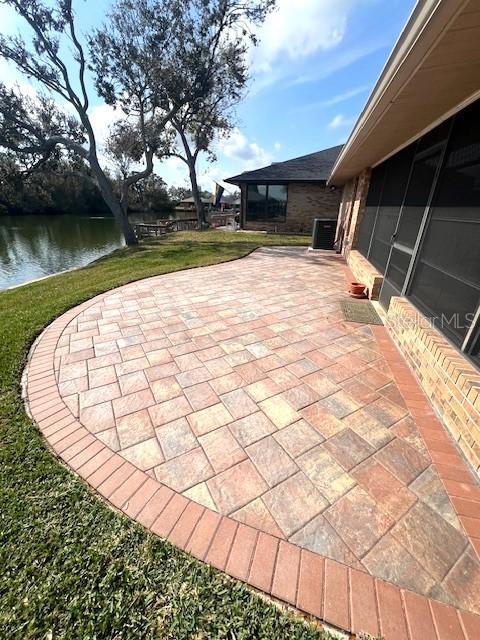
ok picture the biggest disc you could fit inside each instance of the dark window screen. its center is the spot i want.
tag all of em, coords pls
(396, 178)
(416, 199)
(446, 282)
(475, 353)
(434, 137)
(370, 212)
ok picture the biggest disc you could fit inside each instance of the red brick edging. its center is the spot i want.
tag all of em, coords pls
(344, 597)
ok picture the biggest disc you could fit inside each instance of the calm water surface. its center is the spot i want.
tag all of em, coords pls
(36, 246)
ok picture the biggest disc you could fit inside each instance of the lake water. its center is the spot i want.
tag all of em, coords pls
(36, 246)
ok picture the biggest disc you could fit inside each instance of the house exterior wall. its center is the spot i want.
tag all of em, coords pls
(353, 205)
(305, 202)
(350, 217)
(365, 273)
(450, 381)
(449, 377)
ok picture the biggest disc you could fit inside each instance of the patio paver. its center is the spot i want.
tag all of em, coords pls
(238, 400)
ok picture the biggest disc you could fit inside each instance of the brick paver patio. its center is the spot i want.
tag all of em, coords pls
(239, 390)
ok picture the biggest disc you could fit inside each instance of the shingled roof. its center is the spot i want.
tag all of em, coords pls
(314, 167)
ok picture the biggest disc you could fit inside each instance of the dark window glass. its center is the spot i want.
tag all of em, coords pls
(267, 202)
(256, 195)
(376, 186)
(276, 201)
(446, 282)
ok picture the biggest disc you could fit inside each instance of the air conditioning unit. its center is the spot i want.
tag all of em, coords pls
(323, 236)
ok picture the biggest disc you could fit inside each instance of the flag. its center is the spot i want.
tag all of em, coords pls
(217, 194)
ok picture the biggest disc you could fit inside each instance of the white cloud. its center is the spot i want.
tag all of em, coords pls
(102, 117)
(235, 154)
(340, 60)
(342, 97)
(298, 28)
(330, 102)
(340, 121)
(212, 175)
(9, 20)
(174, 171)
(249, 154)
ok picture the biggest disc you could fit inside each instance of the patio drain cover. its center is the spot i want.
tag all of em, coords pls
(360, 311)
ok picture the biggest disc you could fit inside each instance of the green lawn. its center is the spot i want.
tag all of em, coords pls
(69, 566)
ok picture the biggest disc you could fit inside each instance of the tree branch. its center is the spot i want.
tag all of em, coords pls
(176, 155)
(81, 55)
(47, 146)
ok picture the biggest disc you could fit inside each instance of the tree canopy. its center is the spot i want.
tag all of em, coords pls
(63, 185)
(151, 59)
(59, 186)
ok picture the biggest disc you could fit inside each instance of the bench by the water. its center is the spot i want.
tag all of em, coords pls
(144, 229)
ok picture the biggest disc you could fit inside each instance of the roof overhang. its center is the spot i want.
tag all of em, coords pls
(432, 72)
(237, 180)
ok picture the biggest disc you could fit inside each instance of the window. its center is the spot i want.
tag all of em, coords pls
(446, 281)
(421, 227)
(397, 170)
(371, 209)
(385, 196)
(267, 202)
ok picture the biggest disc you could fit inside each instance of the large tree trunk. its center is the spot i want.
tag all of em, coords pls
(118, 208)
(121, 216)
(128, 232)
(191, 159)
(199, 208)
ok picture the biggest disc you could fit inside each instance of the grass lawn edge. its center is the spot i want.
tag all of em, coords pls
(40, 614)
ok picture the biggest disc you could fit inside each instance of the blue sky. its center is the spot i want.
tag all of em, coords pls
(311, 74)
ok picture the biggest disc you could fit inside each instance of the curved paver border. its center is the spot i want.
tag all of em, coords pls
(328, 590)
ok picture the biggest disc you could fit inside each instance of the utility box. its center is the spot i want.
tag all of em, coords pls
(323, 236)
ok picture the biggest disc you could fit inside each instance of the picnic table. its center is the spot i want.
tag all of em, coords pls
(143, 229)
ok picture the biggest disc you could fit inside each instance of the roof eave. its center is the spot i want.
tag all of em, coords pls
(238, 181)
(426, 23)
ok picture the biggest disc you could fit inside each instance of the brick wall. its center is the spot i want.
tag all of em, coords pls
(449, 379)
(305, 202)
(309, 201)
(345, 209)
(365, 273)
(352, 208)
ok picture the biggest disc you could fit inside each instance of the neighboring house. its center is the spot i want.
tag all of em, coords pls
(409, 222)
(287, 196)
(230, 202)
(187, 205)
